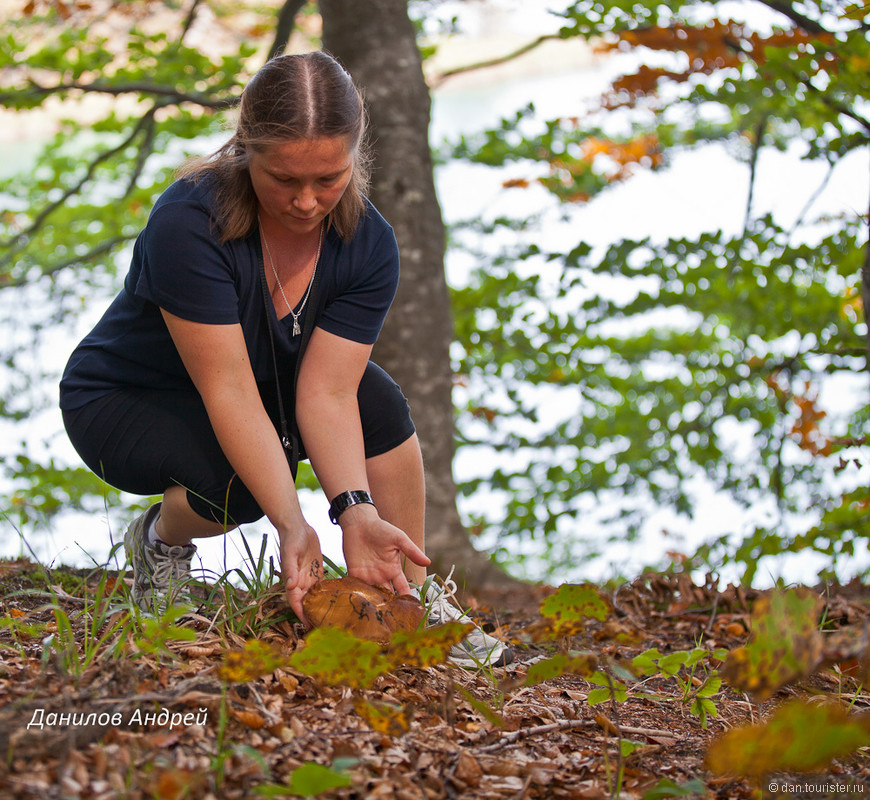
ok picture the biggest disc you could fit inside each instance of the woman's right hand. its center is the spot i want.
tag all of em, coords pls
(301, 566)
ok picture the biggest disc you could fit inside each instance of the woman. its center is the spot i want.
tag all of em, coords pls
(256, 291)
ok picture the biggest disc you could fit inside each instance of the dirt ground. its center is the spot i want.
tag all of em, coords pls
(149, 719)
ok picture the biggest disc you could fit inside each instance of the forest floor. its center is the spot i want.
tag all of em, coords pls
(91, 707)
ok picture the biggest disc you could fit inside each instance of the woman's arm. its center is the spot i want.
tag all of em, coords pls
(216, 359)
(327, 412)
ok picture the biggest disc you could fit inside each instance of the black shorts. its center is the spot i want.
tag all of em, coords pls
(143, 441)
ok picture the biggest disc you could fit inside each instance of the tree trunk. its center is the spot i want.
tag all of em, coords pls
(376, 42)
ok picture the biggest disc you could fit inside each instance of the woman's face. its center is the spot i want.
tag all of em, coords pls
(298, 182)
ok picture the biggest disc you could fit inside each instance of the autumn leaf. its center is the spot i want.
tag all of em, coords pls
(384, 718)
(335, 657)
(805, 429)
(175, 784)
(251, 719)
(799, 737)
(785, 644)
(426, 647)
(567, 611)
(584, 664)
(256, 659)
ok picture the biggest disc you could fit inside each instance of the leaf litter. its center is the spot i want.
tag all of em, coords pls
(659, 688)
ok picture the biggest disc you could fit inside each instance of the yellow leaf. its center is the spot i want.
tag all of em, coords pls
(427, 647)
(785, 643)
(256, 659)
(800, 737)
(384, 717)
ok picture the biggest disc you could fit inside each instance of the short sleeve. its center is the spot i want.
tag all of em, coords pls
(184, 269)
(360, 306)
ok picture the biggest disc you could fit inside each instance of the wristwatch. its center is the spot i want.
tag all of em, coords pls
(345, 500)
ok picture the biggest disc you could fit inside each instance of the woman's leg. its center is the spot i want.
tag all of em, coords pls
(399, 492)
(394, 464)
(178, 523)
(161, 442)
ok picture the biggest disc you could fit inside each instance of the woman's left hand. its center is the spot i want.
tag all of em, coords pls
(301, 565)
(375, 551)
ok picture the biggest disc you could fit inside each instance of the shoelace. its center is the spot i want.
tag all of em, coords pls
(438, 599)
(170, 567)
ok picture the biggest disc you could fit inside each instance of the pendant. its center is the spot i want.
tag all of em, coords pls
(296, 329)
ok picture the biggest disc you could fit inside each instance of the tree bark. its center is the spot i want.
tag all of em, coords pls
(376, 42)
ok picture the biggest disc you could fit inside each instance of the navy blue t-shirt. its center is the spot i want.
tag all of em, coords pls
(179, 265)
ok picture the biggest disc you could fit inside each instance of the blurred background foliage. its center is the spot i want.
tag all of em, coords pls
(594, 385)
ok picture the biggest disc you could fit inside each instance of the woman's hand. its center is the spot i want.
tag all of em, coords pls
(375, 551)
(301, 566)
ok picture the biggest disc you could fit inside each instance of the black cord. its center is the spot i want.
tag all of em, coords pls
(288, 441)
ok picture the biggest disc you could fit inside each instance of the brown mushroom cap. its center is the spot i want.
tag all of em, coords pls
(369, 612)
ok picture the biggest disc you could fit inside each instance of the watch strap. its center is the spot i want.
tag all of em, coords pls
(345, 500)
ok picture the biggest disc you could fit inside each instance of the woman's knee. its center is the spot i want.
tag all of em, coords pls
(231, 505)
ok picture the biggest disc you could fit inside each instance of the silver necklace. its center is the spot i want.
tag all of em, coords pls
(296, 328)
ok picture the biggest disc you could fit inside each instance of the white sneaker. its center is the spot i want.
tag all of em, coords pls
(161, 572)
(478, 649)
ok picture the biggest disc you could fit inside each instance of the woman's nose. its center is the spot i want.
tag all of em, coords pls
(305, 199)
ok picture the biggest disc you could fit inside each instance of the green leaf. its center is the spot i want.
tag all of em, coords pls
(611, 689)
(673, 662)
(702, 708)
(561, 664)
(568, 609)
(710, 687)
(667, 788)
(336, 657)
(309, 780)
(627, 747)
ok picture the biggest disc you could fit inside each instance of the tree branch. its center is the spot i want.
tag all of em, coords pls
(284, 27)
(39, 219)
(104, 247)
(788, 11)
(189, 20)
(494, 62)
(168, 94)
(753, 169)
(865, 294)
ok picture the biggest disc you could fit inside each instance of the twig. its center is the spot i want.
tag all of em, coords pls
(40, 218)
(494, 62)
(566, 725)
(523, 733)
(709, 628)
(167, 93)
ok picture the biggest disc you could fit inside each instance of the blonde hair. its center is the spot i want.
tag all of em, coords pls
(292, 97)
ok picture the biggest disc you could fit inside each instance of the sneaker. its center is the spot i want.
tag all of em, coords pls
(160, 571)
(478, 649)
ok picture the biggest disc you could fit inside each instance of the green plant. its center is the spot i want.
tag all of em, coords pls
(155, 633)
(83, 636)
(681, 666)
